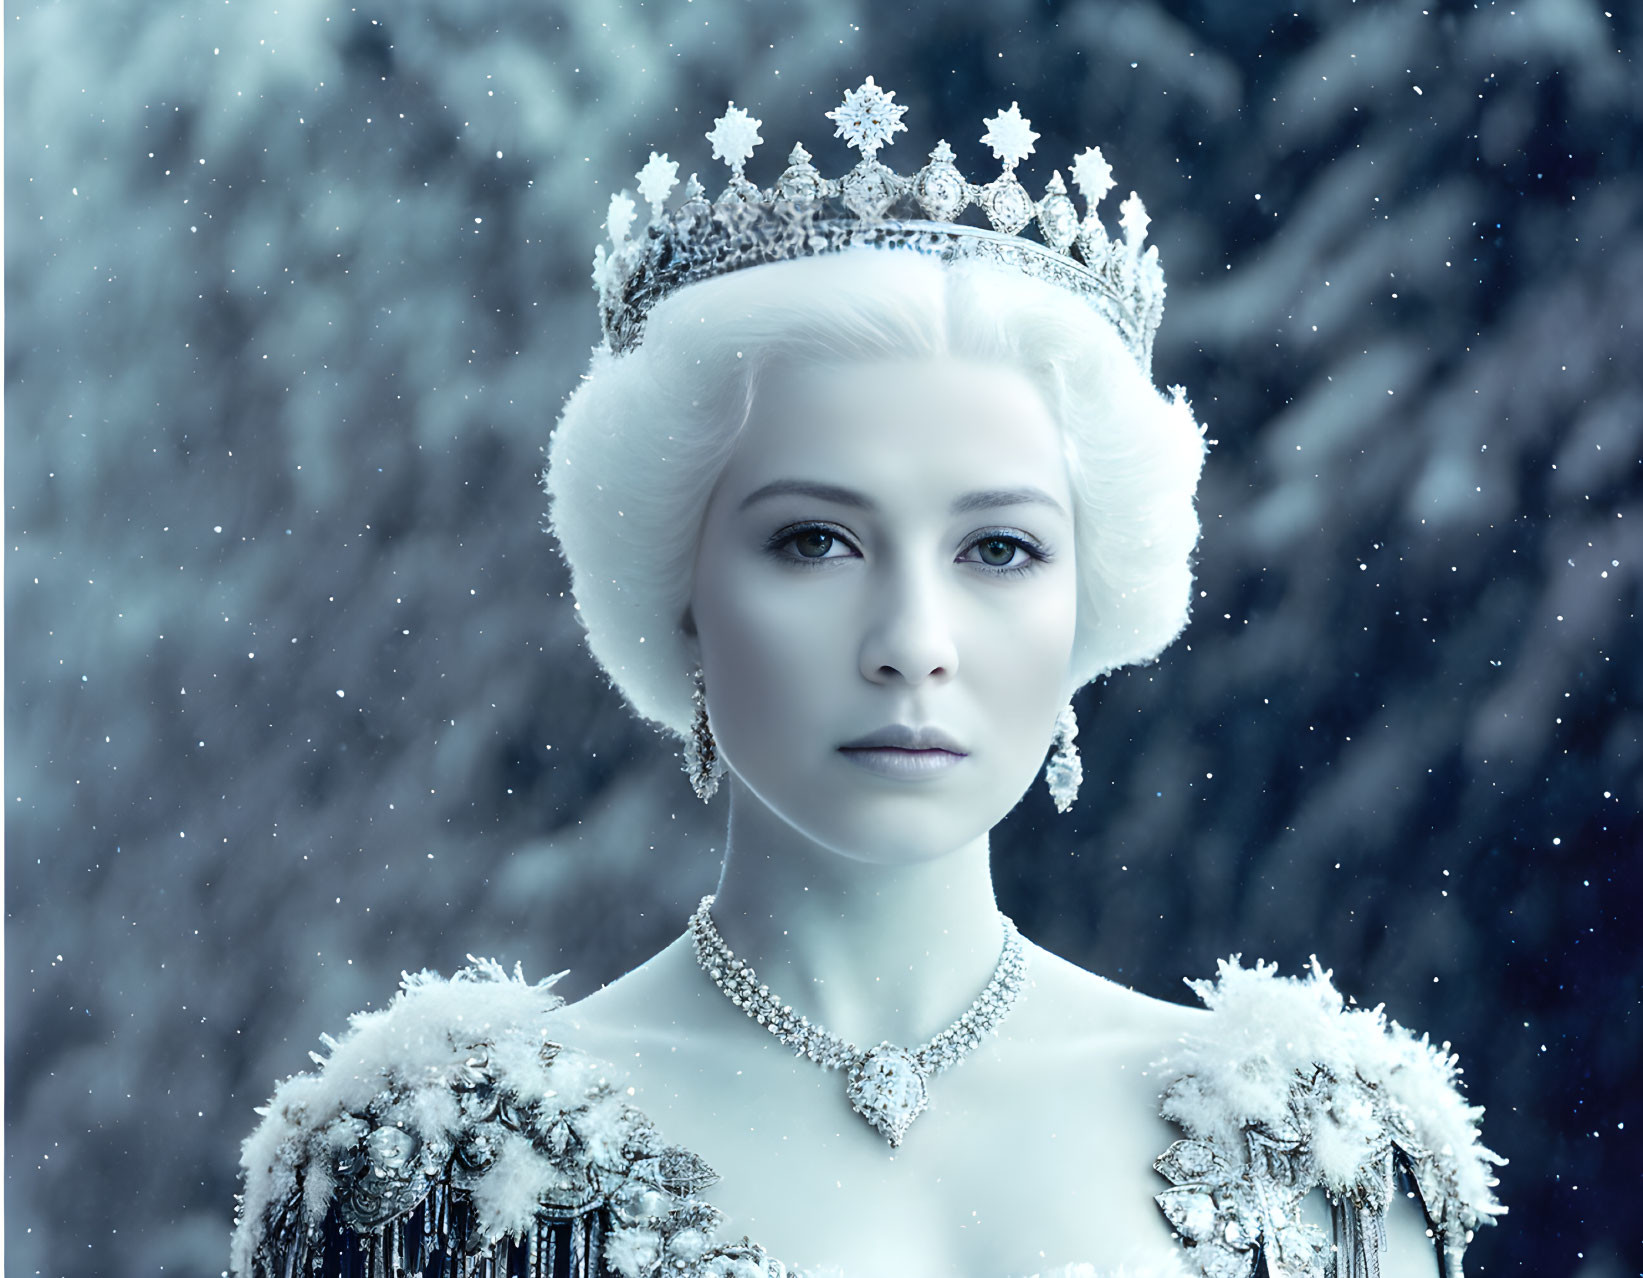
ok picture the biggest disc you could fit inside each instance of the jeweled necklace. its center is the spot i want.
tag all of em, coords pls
(888, 1085)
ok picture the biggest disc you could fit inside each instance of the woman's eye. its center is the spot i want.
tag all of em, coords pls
(818, 544)
(813, 543)
(1005, 554)
(997, 552)
(810, 544)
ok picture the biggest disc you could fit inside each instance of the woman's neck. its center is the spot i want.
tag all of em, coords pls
(866, 951)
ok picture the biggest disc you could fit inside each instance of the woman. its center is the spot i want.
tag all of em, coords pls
(853, 507)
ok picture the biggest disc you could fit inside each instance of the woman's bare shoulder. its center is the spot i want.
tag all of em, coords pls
(655, 1004)
(1084, 1008)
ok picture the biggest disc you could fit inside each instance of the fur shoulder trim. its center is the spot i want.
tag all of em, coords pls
(453, 1093)
(1284, 1073)
(394, 1070)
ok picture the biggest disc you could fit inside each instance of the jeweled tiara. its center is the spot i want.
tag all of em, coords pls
(748, 225)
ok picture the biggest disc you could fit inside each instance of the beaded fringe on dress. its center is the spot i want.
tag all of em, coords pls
(436, 1239)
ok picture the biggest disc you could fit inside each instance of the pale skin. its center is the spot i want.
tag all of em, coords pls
(893, 543)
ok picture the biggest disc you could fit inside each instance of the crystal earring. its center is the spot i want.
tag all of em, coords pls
(1065, 770)
(703, 765)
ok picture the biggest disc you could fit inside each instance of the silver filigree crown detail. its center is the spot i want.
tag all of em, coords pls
(800, 216)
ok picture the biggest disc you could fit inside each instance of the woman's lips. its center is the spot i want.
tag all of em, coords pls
(889, 761)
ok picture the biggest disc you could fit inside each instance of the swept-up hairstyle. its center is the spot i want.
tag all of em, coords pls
(643, 439)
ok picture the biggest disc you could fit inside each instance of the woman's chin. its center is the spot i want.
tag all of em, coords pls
(882, 811)
(890, 825)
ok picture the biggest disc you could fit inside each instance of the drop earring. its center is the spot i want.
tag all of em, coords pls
(1064, 770)
(703, 765)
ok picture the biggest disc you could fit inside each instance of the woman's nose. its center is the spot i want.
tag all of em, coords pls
(909, 631)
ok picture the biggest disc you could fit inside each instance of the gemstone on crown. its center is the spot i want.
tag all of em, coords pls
(807, 214)
(800, 182)
(869, 189)
(1057, 216)
(1006, 203)
(940, 188)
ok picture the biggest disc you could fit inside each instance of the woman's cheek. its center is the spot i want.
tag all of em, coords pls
(776, 640)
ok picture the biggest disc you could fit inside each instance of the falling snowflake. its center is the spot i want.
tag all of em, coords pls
(657, 180)
(620, 217)
(867, 118)
(734, 135)
(1092, 175)
(1132, 216)
(1010, 136)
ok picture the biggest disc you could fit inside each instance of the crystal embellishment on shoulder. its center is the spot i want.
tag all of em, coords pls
(806, 214)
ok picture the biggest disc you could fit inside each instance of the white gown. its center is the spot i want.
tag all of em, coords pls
(447, 1136)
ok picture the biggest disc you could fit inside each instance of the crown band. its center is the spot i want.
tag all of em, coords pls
(748, 226)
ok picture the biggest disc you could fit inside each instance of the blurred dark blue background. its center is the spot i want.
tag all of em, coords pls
(295, 699)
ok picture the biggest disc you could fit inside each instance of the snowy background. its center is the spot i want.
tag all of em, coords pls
(294, 696)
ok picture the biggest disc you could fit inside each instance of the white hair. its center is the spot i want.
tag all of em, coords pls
(642, 440)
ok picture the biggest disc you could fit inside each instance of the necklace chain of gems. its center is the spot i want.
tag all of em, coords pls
(888, 1085)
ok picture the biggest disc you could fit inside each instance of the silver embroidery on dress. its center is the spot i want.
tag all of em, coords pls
(1375, 1100)
(448, 1126)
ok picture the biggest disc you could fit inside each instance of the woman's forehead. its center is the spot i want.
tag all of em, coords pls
(929, 424)
(896, 383)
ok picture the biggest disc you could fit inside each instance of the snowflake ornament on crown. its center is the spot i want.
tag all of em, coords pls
(805, 214)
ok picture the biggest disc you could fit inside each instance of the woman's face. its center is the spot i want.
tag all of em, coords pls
(890, 544)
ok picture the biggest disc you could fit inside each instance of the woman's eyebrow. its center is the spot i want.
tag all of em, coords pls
(988, 498)
(983, 499)
(804, 488)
